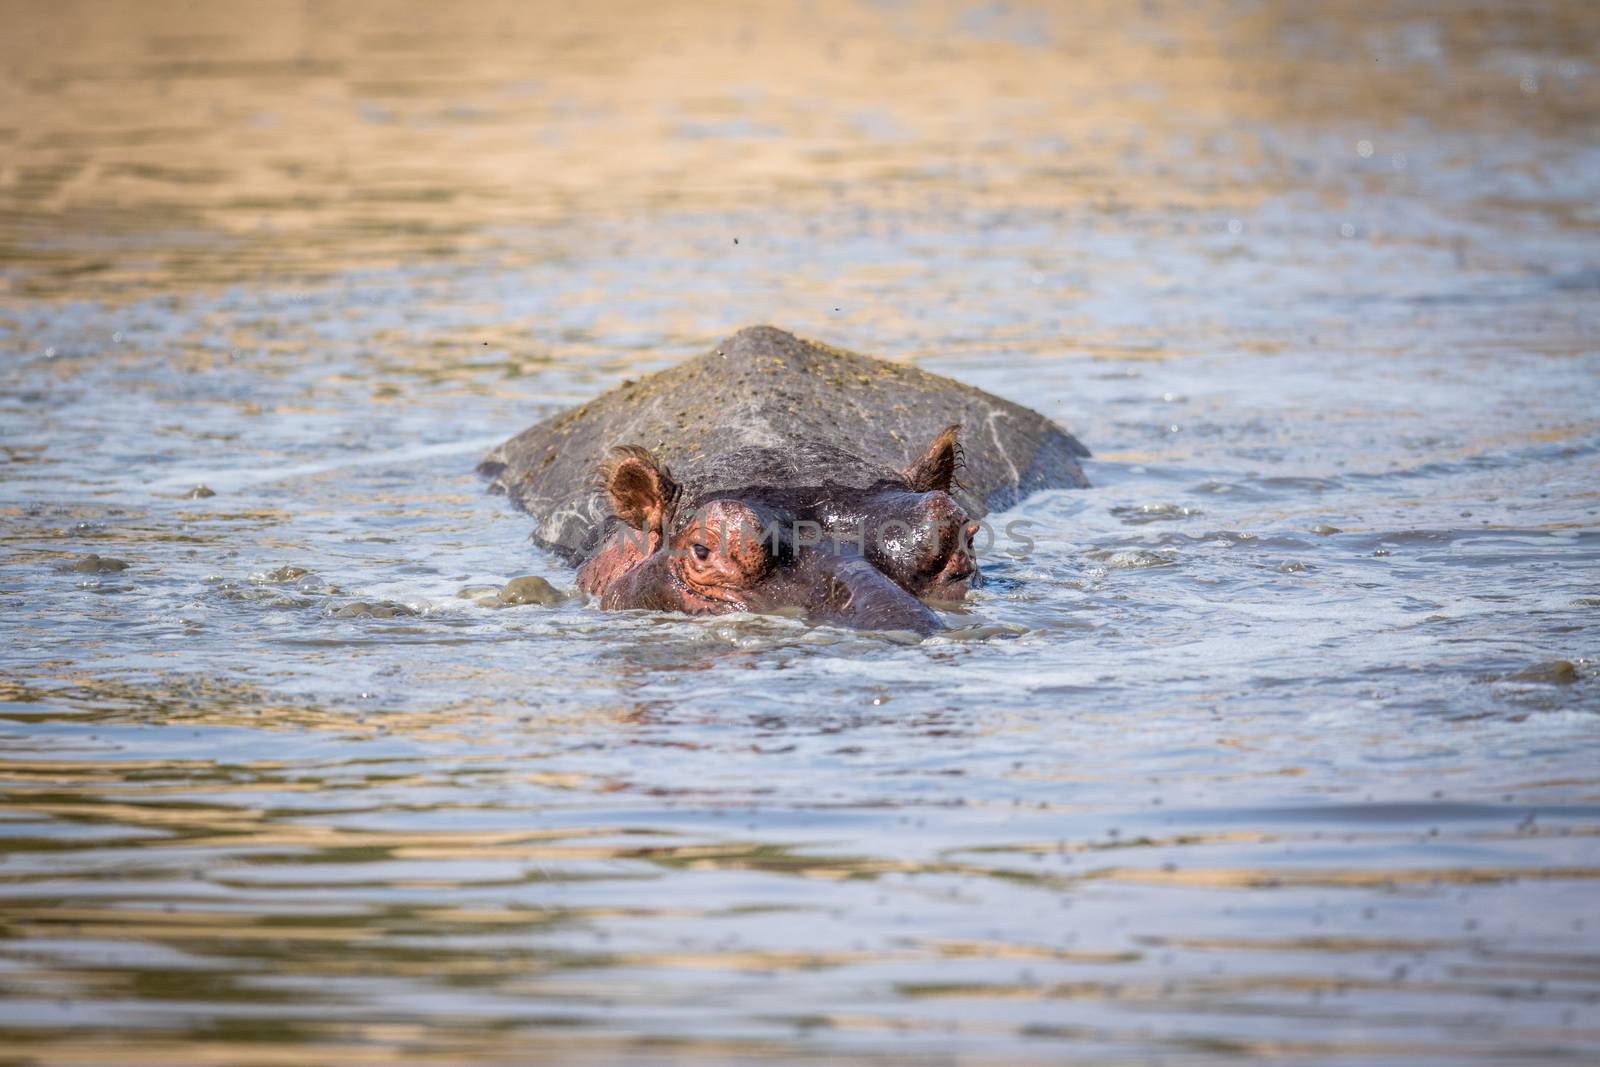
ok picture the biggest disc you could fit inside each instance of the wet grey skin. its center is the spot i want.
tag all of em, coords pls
(797, 429)
(834, 586)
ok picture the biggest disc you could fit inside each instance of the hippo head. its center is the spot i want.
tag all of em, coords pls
(722, 554)
(911, 529)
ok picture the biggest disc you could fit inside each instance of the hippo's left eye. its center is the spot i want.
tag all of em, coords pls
(702, 553)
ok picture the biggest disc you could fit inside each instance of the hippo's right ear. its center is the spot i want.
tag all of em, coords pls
(936, 468)
(642, 491)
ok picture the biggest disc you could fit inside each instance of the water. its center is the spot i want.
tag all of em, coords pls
(1280, 744)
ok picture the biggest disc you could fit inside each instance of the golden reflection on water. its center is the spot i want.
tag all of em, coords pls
(318, 139)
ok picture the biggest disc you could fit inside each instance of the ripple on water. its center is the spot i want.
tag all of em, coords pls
(1155, 512)
(1133, 559)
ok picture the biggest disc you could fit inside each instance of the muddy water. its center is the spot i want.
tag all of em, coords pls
(1281, 742)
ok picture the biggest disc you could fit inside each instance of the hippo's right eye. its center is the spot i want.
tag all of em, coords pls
(702, 553)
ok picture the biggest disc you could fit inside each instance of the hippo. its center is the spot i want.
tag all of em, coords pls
(775, 474)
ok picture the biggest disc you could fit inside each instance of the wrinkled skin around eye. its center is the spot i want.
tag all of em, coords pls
(720, 554)
(707, 566)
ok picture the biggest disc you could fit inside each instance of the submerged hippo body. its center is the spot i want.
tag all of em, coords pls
(775, 473)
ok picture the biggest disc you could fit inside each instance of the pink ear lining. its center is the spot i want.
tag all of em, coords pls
(641, 490)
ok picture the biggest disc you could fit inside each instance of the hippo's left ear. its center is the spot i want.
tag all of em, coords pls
(641, 489)
(936, 469)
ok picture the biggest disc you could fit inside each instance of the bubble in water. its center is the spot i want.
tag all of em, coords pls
(280, 576)
(1364, 149)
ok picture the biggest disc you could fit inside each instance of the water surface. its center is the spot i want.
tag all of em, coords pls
(1279, 744)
